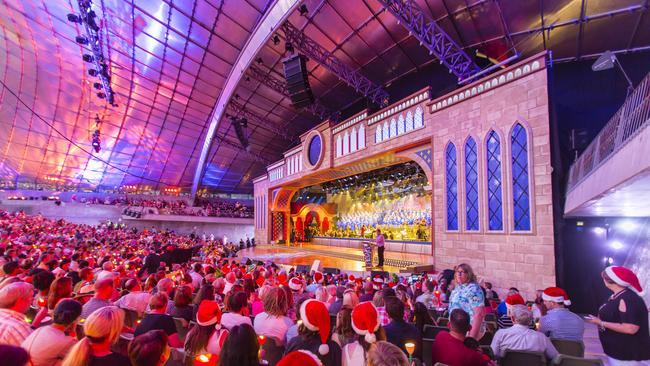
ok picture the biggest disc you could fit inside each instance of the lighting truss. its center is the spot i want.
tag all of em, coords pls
(280, 86)
(351, 77)
(238, 109)
(94, 42)
(434, 38)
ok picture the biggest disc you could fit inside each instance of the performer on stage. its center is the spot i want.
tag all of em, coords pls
(379, 241)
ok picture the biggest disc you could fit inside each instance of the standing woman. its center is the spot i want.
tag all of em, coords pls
(468, 296)
(623, 319)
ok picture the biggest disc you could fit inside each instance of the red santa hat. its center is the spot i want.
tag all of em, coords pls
(295, 284)
(231, 278)
(282, 279)
(208, 313)
(556, 294)
(377, 282)
(514, 299)
(318, 277)
(315, 317)
(365, 321)
(625, 277)
(351, 278)
(300, 358)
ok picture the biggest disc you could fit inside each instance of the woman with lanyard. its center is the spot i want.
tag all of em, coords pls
(623, 319)
(467, 295)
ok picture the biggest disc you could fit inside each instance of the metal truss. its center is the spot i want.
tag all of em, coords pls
(280, 86)
(351, 77)
(434, 38)
(238, 109)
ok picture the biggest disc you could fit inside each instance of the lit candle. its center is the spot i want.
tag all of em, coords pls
(42, 302)
(204, 358)
(262, 339)
(410, 347)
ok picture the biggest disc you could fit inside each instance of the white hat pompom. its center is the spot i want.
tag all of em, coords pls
(323, 349)
(370, 337)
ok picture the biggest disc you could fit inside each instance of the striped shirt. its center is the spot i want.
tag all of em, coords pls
(13, 328)
(562, 324)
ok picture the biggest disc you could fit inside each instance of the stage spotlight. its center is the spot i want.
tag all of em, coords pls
(259, 61)
(74, 18)
(600, 230)
(244, 122)
(88, 58)
(616, 245)
(303, 10)
(289, 47)
(627, 226)
(97, 86)
(81, 40)
(92, 72)
(101, 95)
(276, 40)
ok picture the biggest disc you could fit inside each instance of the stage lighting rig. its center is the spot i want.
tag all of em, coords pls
(96, 141)
(92, 39)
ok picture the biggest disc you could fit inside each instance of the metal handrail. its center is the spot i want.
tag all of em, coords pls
(630, 119)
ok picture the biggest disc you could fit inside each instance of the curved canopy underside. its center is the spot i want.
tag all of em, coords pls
(169, 61)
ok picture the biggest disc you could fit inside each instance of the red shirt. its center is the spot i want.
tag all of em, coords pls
(452, 352)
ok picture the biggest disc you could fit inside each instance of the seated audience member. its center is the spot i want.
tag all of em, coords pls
(197, 275)
(520, 337)
(15, 300)
(421, 317)
(102, 329)
(181, 307)
(350, 298)
(502, 309)
(241, 347)
(449, 347)
(343, 332)
(207, 337)
(48, 345)
(157, 319)
(102, 297)
(364, 321)
(300, 358)
(399, 332)
(314, 334)
(368, 292)
(206, 292)
(505, 320)
(490, 294)
(338, 301)
(61, 288)
(237, 310)
(386, 354)
(273, 322)
(165, 285)
(13, 355)
(136, 300)
(427, 298)
(559, 322)
(293, 330)
(149, 349)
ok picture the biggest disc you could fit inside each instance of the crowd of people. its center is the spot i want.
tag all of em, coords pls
(223, 208)
(77, 295)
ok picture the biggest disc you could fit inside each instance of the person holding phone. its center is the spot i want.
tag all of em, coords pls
(623, 319)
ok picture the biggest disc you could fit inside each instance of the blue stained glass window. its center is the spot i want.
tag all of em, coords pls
(520, 181)
(471, 185)
(452, 187)
(314, 150)
(494, 186)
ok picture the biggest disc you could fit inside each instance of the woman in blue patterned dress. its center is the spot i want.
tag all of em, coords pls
(467, 295)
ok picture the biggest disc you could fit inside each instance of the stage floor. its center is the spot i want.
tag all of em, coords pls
(345, 259)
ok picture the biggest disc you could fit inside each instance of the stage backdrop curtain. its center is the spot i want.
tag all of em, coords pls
(326, 225)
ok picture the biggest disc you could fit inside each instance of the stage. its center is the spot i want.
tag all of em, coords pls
(345, 259)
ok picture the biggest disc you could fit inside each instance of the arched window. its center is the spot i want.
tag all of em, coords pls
(346, 143)
(353, 140)
(409, 121)
(494, 185)
(520, 179)
(378, 134)
(339, 145)
(362, 137)
(393, 128)
(385, 134)
(471, 185)
(418, 120)
(400, 124)
(451, 184)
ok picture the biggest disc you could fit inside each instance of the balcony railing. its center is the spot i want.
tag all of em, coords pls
(629, 120)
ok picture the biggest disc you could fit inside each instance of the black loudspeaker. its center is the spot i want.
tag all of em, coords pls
(295, 72)
(383, 274)
(331, 270)
(302, 268)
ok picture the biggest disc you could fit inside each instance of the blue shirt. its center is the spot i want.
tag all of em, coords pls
(467, 296)
(561, 323)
